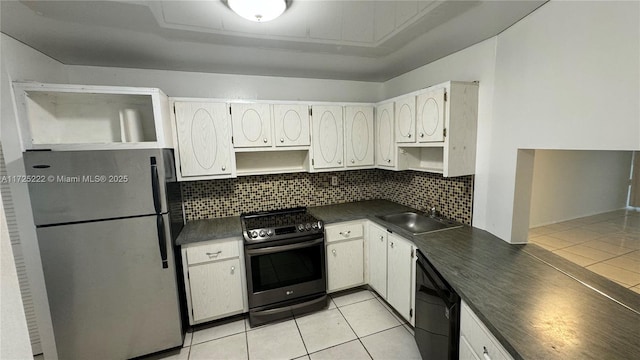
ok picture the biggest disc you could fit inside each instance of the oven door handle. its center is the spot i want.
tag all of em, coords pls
(279, 248)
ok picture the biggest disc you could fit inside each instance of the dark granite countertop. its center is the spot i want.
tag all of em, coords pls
(210, 229)
(538, 305)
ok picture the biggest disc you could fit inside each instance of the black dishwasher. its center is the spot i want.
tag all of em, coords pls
(437, 329)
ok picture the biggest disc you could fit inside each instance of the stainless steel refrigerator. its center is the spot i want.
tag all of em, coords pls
(106, 223)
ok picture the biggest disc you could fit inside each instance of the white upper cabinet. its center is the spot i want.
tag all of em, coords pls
(291, 125)
(251, 125)
(203, 137)
(327, 137)
(430, 116)
(385, 141)
(447, 120)
(406, 119)
(359, 136)
(78, 117)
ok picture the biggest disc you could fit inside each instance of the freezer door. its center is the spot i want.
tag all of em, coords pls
(109, 293)
(72, 186)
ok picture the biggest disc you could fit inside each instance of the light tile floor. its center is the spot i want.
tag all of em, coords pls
(356, 325)
(607, 244)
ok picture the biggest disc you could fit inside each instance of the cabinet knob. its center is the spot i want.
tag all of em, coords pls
(389, 161)
(485, 353)
(339, 162)
(391, 244)
(264, 140)
(334, 251)
(346, 233)
(421, 135)
(281, 140)
(353, 161)
(224, 168)
(409, 136)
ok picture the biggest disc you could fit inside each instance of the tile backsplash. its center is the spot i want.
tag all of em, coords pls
(229, 197)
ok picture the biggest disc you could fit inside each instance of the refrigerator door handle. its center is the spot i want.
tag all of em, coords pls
(162, 242)
(155, 185)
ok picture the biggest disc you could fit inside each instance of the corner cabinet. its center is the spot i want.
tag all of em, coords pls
(327, 137)
(359, 130)
(345, 255)
(385, 150)
(214, 279)
(401, 275)
(391, 269)
(79, 117)
(203, 137)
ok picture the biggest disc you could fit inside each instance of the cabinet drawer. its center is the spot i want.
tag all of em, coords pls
(343, 231)
(479, 338)
(212, 252)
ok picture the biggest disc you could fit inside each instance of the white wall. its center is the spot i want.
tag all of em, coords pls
(567, 77)
(225, 86)
(571, 184)
(19, 62)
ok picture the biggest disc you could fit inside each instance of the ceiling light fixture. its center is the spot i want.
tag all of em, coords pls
(258, 10)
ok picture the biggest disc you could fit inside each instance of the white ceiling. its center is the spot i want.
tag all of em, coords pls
(355, 40)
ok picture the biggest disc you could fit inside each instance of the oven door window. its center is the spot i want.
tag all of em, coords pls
(286, 268)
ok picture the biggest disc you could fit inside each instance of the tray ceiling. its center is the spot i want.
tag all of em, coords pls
(355, 40)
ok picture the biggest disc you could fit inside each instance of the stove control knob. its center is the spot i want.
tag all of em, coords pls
(263, 233)
(319, 225)
(254, 234)
(300, 227)
(269, 232)
(314, 226)
(308, 226)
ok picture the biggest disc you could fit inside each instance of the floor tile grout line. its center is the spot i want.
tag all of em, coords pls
(301, 337)
(222, 337)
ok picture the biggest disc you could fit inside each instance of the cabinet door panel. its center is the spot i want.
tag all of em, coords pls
(216, 288)
(328, 148)
(251, 125)
(385, 149)
(406, 119)
(430, 116)
(345, 264)
(359, 135)
(378, 260)
(400, 270)
(292, 125)
(204, 140)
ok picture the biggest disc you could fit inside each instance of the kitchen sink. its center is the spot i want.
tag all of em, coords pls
(417, 223)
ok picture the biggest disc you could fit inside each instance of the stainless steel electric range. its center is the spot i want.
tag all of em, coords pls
(285, 263)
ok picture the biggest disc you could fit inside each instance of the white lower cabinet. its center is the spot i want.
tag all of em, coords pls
(401, 274)
(345, 265)
(391, 269)
(345, 255)
(377, 261)
(214, 279)
(476, 341)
